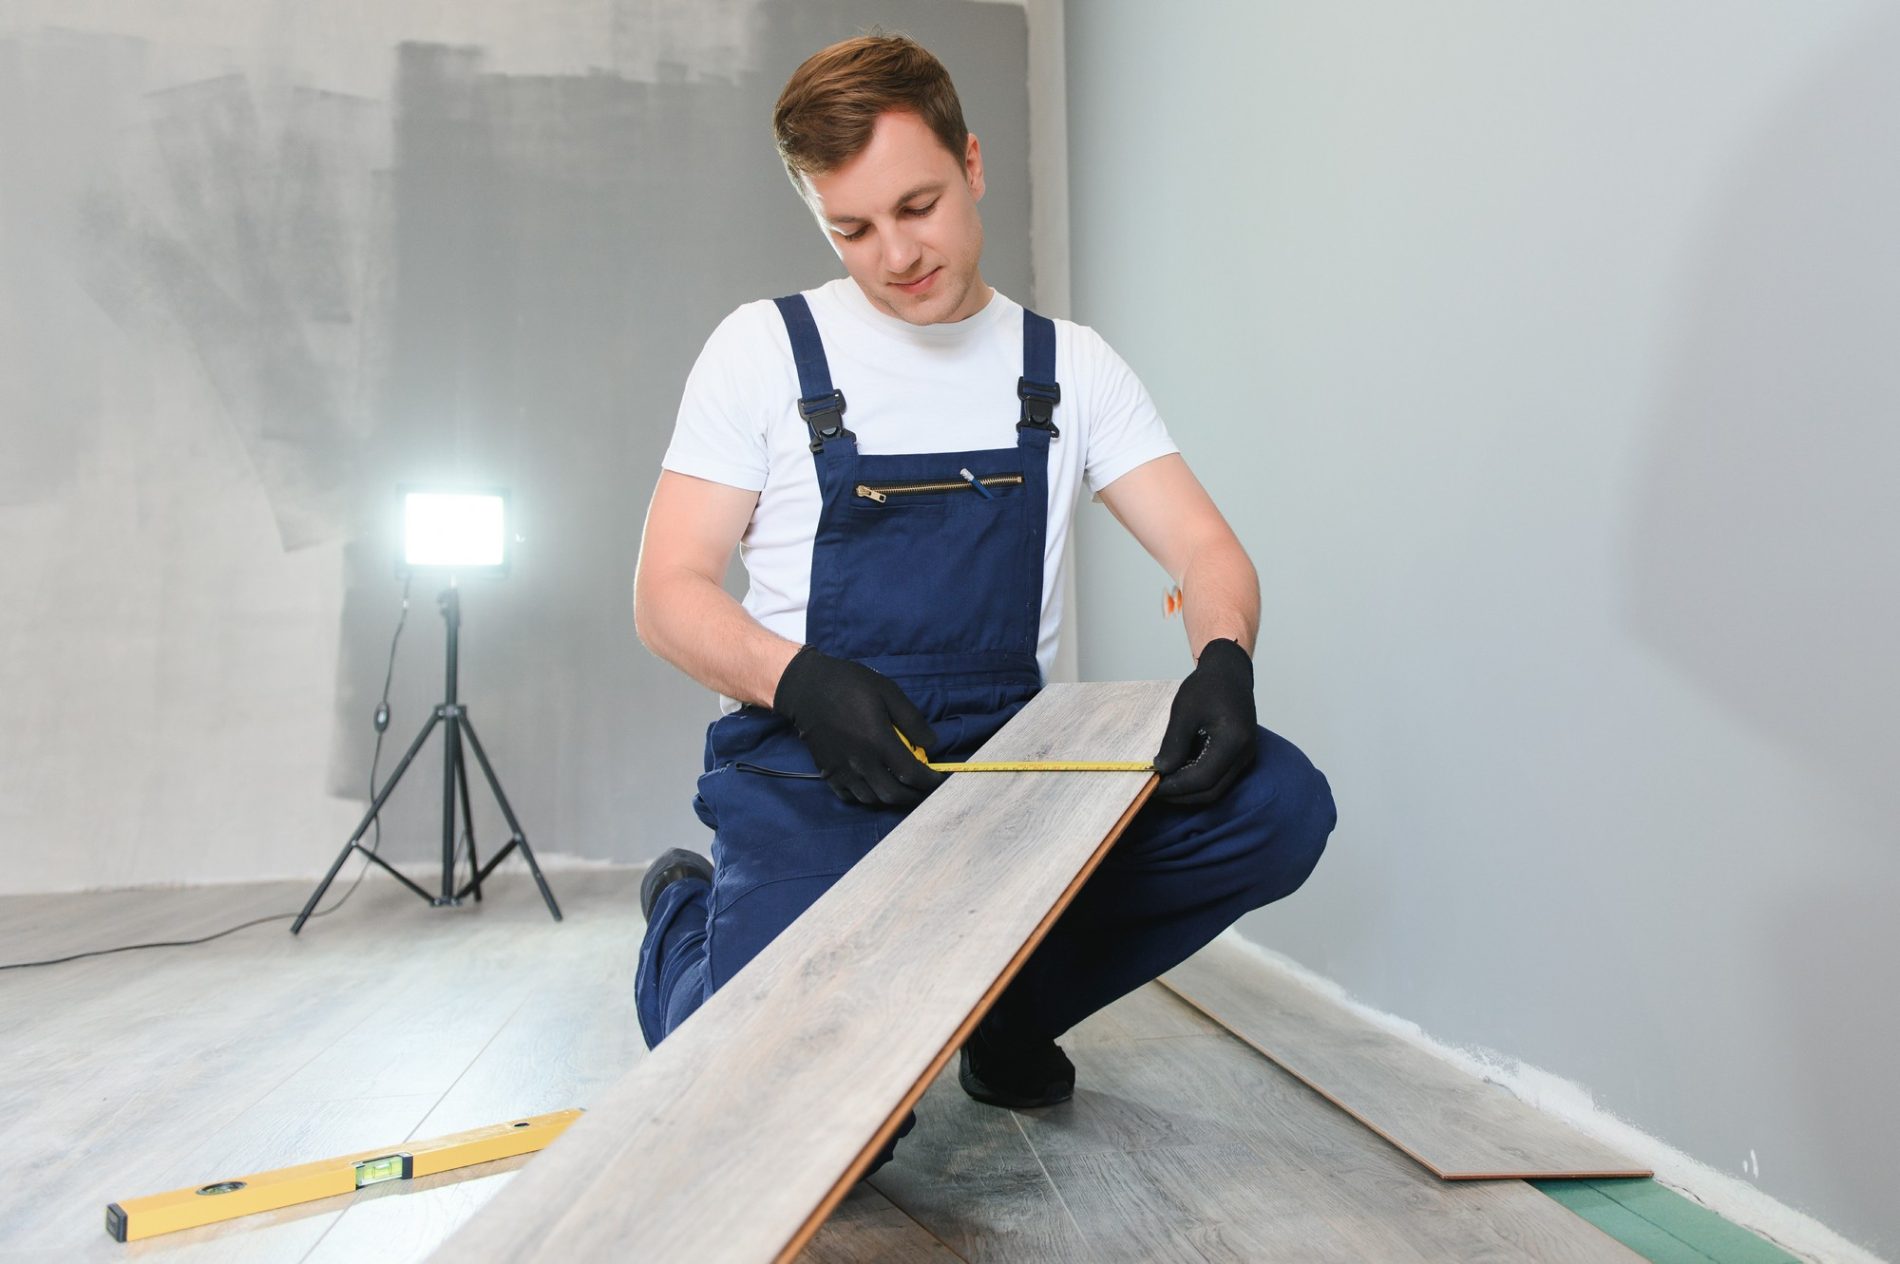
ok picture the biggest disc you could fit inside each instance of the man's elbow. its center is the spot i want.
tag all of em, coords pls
(648, 601)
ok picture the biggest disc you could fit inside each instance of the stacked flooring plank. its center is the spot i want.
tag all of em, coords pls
(739, 1134)
(1459, 1127)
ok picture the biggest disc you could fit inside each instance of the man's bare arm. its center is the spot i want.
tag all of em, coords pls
(681, 609)
(1165, 508)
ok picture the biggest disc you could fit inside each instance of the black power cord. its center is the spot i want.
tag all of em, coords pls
(381, 721)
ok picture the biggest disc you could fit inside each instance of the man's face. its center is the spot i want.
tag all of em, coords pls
(902, 216)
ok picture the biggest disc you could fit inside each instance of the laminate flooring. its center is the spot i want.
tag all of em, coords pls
(142, 1072)
(1458, 1126)
(735, 1137)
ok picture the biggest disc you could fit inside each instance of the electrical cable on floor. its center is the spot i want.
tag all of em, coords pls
(381, 721)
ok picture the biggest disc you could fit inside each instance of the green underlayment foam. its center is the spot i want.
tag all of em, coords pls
(1661, 1225)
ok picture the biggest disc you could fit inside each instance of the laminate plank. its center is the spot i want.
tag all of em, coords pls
(967, 1173)
(563, 1047)
(1150, 1012)
(152, 1070)
(866, 1229)
(107, 1106)
(1198, 1148)
(1458, 1127)
(738, 1134)
(1180, 1205)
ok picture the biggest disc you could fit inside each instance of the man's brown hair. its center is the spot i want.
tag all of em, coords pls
(825, 114)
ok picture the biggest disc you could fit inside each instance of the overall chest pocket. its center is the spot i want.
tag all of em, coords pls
(921, 561)
(927, 493)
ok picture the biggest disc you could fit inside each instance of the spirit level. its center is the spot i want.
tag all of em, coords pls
(267, 1191)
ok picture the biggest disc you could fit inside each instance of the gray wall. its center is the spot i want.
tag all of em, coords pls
(257, 266)
(1544, 360)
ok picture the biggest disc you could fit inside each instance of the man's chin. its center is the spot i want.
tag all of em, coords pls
(933, 308)
(921, 311)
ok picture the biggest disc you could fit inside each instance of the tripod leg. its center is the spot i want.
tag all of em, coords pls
(468, 825)
(519, 840)
(369, 819)
(451, 756)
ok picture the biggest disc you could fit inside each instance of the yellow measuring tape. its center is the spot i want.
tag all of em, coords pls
(196, 1205)
(1026, 766)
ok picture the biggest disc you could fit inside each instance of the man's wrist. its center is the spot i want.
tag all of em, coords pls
(1227, 657)
(782, 698)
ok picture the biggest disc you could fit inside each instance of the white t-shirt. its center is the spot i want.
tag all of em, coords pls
(907, 389)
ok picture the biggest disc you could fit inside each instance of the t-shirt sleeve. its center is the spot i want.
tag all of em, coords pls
(720, 433)
(1124, 430)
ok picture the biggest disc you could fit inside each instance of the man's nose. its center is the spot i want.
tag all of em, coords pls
(900, 251)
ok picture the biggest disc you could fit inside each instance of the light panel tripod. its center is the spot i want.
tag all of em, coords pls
(453, 717)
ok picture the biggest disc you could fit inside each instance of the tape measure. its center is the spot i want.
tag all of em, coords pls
(1029, 766)
(196, 1205)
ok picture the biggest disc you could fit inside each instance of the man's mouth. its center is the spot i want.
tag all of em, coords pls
(917, 286)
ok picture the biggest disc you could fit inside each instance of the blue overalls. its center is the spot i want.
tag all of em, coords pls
(922, 577)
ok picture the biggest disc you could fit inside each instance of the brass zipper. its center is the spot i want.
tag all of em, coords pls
(884, 491)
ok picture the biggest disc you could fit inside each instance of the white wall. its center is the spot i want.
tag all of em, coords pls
(1544, 359)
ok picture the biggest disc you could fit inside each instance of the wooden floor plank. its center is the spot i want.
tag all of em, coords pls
(746, 1122)
(968, 1174)
(562, 1047)
(1150, 1012)
(146, 1071)
(1195, 1147)
(866, 1229)
(1185, 1204)
(1458, 1127)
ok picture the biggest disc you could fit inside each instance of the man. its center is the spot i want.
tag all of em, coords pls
(896, 455)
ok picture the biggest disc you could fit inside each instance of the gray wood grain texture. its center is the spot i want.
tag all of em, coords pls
(1193, 1147)
(1198, 1148)
(866, 1229)
(154, 1070)
(725, 1141)
(141, 1072)
(136, 1073)
(968, 1173)
(1457, 1126)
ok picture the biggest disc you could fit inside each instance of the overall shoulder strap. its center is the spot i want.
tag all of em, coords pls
(1037, 386)
(819, 404)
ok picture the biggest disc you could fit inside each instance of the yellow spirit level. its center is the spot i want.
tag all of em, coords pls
(267, 1191)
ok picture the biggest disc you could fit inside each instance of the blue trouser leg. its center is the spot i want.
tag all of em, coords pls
(670, 982)
(1175, 879)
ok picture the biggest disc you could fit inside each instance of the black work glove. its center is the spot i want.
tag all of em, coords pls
(845, 712)
(1214, 702)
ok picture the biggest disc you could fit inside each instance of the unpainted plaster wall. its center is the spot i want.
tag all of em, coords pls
(260, 263)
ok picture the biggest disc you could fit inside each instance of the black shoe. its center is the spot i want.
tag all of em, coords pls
(1041, 1075)
(668, 869)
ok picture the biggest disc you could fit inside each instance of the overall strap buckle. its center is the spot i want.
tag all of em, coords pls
(1037, 386)
(821, 406)
(1039, 404)
(824, 417)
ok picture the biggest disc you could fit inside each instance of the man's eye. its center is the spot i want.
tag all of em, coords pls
(921, 210)
(852, 236)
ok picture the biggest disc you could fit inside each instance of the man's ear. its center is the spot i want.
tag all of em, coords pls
(973, 168)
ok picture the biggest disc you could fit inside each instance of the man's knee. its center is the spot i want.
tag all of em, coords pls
(1289, 811)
